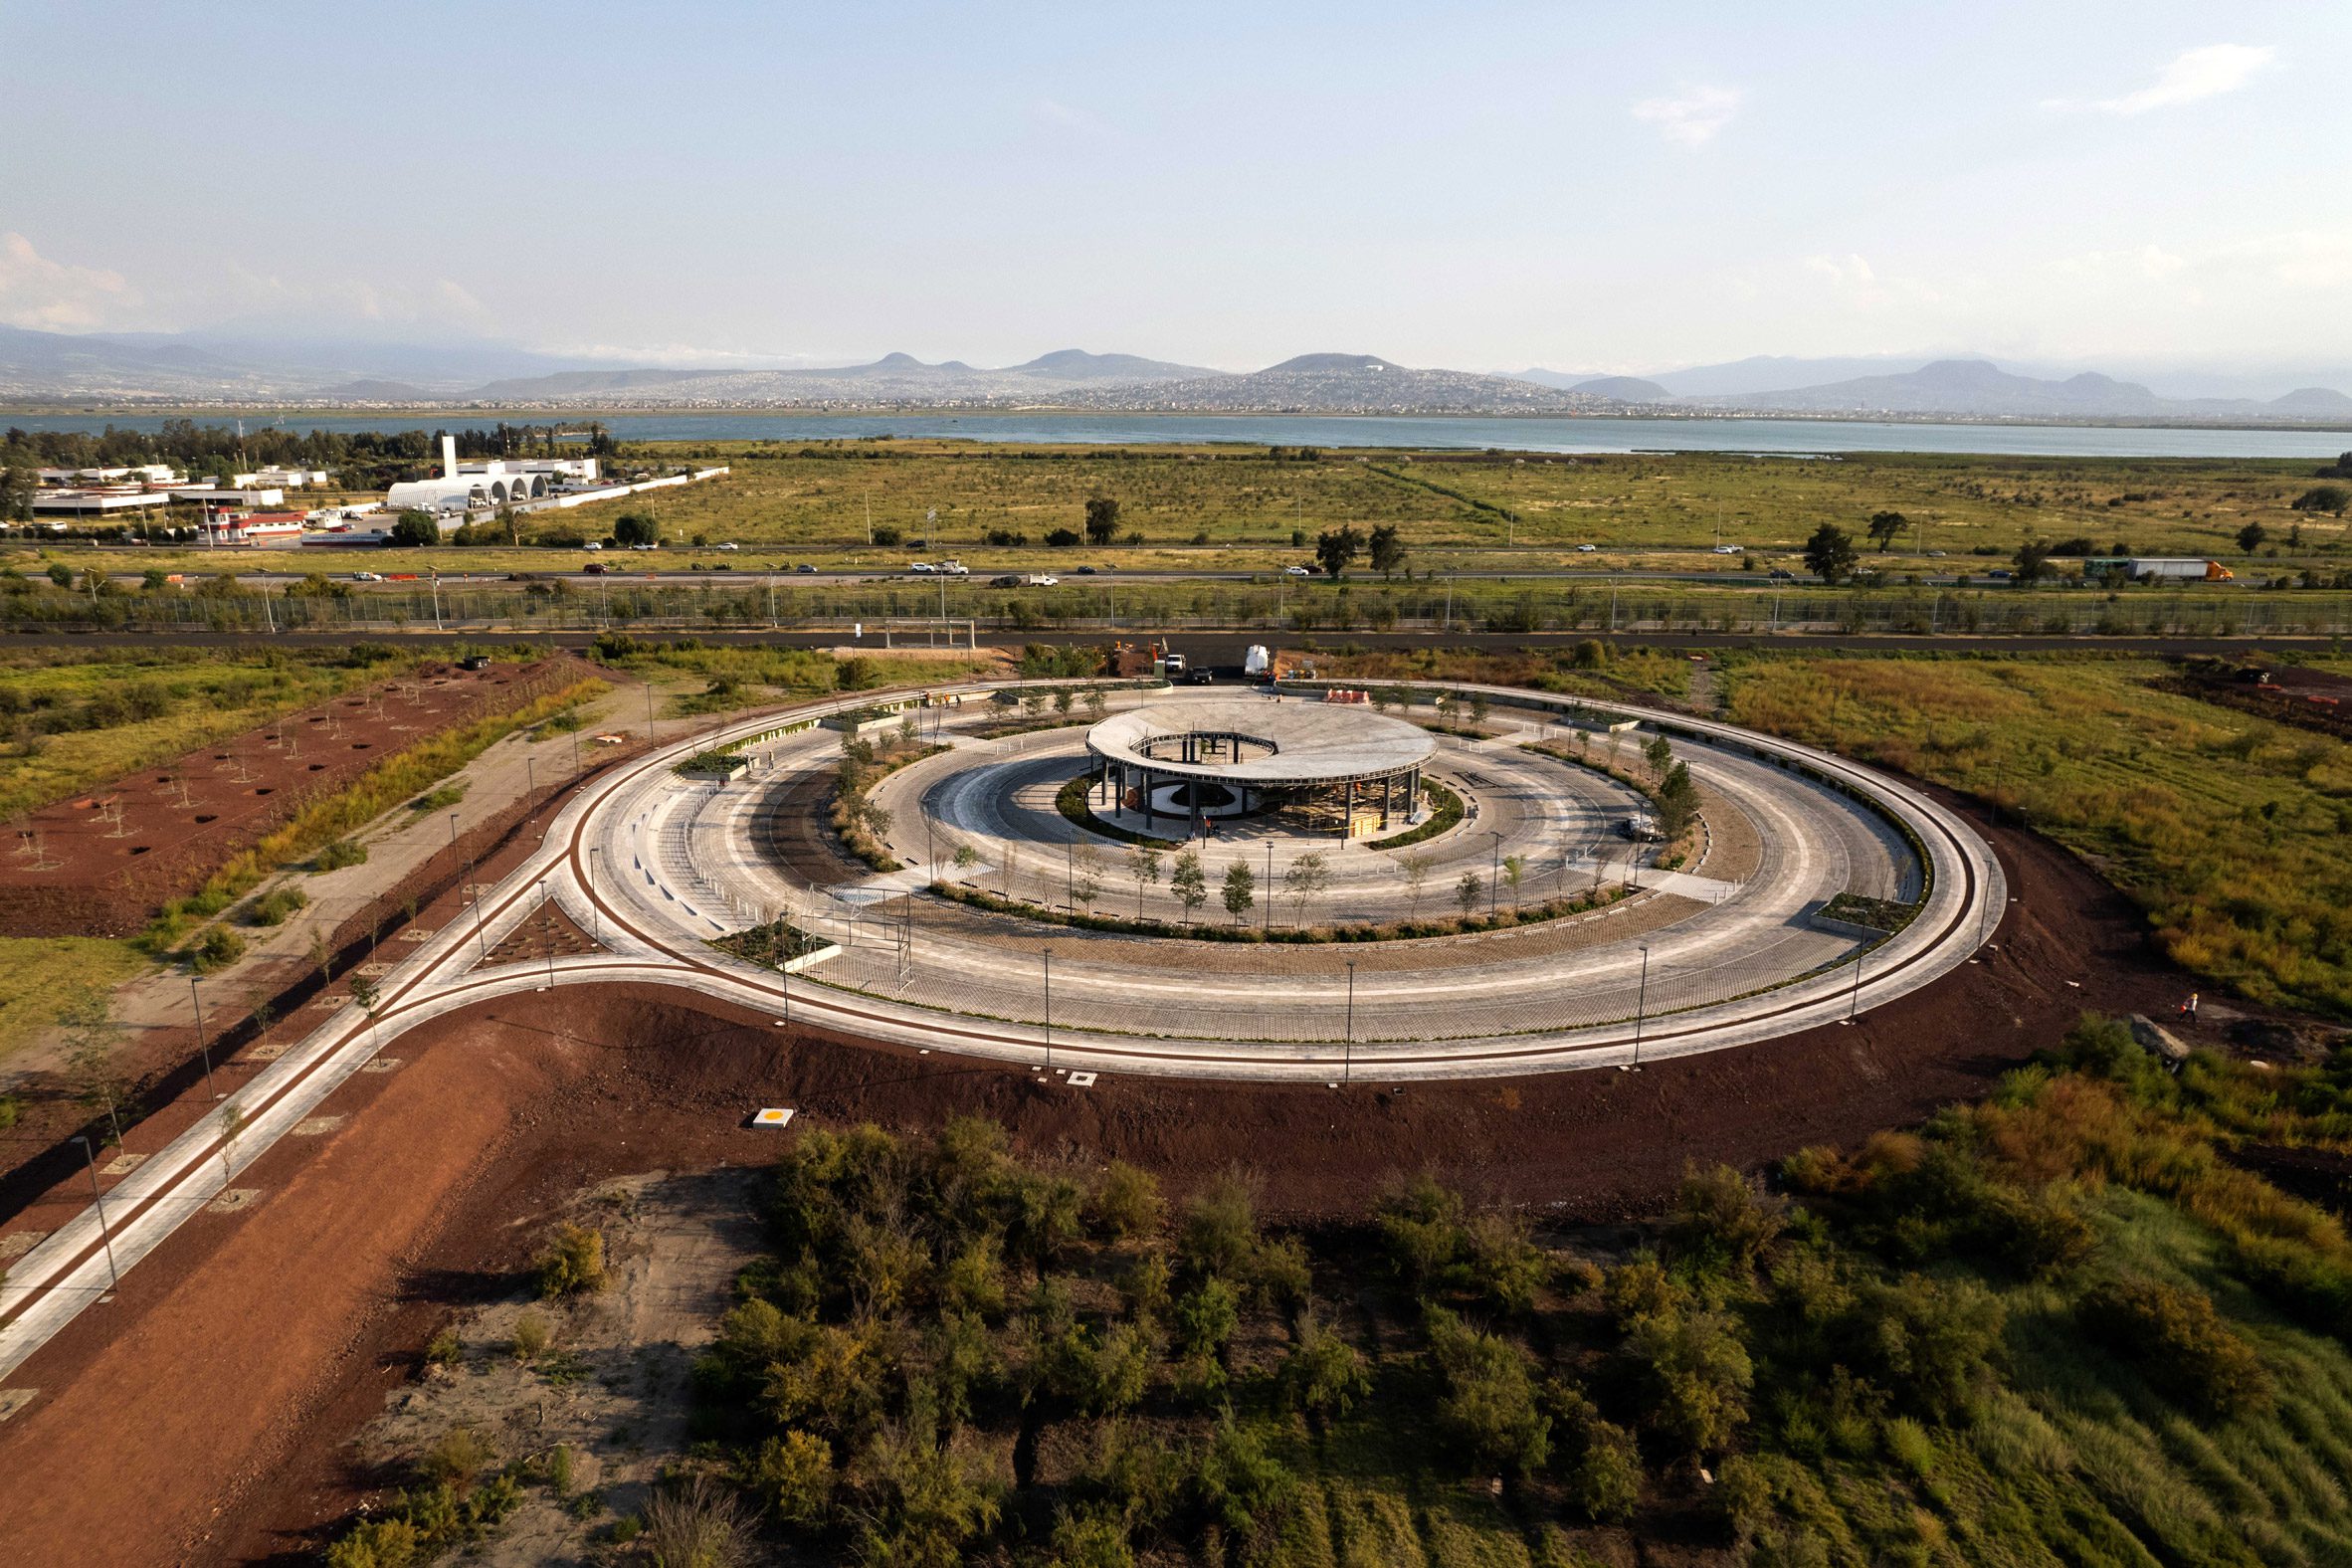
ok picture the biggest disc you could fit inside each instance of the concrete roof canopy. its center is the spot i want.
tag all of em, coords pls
(1308, 743)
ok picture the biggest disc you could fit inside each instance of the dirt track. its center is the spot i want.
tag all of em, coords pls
(201, 1416)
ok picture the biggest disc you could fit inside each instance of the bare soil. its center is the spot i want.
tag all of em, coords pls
(109, 859)
(206, 1414)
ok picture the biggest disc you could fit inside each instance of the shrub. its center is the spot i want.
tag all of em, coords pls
(342, 853)
(217, 949)
(1323, 1373)
(1719, 1223)
(1220, 1233)
(1500, 1262)
(1489, 1405)
(1126, 1202)
(695, 1525)
(532, 1335)
(1279, 1273)
(278, 906)
(2179, 1342)
(1698, 1373)
(1606, 1480)
(793, 1476)
(559, 1469)
(1206, 1317)
(1239, 1484)
(378, 1544)
(445, 1349)
(457, 1458)
(572, 1263)
(1420, 1223)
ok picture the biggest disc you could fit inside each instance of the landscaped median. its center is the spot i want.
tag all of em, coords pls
(1358, 931)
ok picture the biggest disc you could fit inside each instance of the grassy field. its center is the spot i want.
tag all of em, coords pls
(72, 721)
(2234, 833)
(1224, 508)
(37, 972)
(2054, 1328)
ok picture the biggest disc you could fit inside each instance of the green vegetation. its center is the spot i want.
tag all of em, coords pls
(856, 816)
(1070, 801)
(572, 1261)
(278, 906)
(1505, 918)
(1445, 811)
(771, 945)
(1879, 915)
(320, 831)
(70, 720)
(2057, 1327)
(36, 970)
(2233, 832)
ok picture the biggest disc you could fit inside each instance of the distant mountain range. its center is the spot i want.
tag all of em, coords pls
(257, 368)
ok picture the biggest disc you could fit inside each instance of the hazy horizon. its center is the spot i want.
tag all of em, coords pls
(1498, 188)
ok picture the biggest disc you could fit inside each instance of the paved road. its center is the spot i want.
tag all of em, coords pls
(623, 859)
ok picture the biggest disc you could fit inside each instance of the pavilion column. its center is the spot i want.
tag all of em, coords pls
(1388, 790)
(1347, 809)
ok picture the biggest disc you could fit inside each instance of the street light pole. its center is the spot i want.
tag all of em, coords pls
(595, 915)
(1348, 1047)
(1854, 998)
(202, 1047)
(97, 1197)
(1640, 1006)
(1494, 870)
(547, 933)
(1048, 953)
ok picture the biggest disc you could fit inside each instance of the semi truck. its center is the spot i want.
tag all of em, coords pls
(2161, 568)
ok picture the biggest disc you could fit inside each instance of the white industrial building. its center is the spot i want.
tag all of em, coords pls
(471, 486)
(95, 502)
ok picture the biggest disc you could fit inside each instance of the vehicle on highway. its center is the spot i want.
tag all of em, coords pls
(954, 569)
(595, 568)
(729, 546)
(1935, 556)
(644, 546)
(1044, 580)
(1726, 549)
(367, 577)
(1085, 571)
(922, 568)
(1781, 574)
(1587, 549)
(1199, 678)
(1297, 571)
(1007, 580)
(804, 567)
(592, 546)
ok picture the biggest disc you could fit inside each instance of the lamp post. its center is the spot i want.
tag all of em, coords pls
(453, 830)
(98, 1198)
(1494, 870)
(1049, 955)
(473, 891)
(1854, 998)
(1347, 1066)
(547, 931)
(595, 915)
(202, 1045)
(1640, 1006)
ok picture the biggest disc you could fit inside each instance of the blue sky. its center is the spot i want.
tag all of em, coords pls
(1482, 186)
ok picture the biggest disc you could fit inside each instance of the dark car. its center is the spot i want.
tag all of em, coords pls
(594, 568)
(1780, 575)
(804, 567)
(1198, 678)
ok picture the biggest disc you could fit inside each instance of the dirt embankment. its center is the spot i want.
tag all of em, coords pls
(205, 1415)
(102, 864)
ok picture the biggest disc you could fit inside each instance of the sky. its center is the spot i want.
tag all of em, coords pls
(1579, 186)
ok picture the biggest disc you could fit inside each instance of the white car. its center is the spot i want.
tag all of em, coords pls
(954, 569)
(1726, 549)
(367, 577)
(1045, 582)
(592, 544)
(1586, 549)
(1297, 571)
(726, 547)
(922, 568)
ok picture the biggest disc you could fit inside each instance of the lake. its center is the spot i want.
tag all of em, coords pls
(1795, 437)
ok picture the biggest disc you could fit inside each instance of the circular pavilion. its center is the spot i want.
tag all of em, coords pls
(1320, 767)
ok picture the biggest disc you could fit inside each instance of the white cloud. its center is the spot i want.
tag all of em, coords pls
(57, 296)
(1847, 272)
(1694, 118)
(2194, 74)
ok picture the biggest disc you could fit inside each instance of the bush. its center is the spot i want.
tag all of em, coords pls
(2179, 1342)
(1698, 1373)
(793, 1477)
(1206, 1317)
(1420, 1223)
(1719, 1223)
(457, 1458)
(378, 1544)
(445, 1349)
(278, 906)
(1126, 1202)
(1220, 1233)
(531, 1337)
(1489, 1405)
(572, 1263)
(696, 1526)
(217, 949)
(1606, 1480)
(342, 853)
(1323, 1373)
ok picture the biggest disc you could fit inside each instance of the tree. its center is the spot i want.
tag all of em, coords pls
(1189, 883)
(414, 529)
(2333, 499)
(1677, 801)
(1102, 520)
(1514, 871)
(2250, 537)
(1240, 889)
(1884, 526)
(1336, 549)
(1829, 553)
(1309, 875)
(1388, 549)
(93, 1041)
(1659, 753)
(1146, 865)
(1088, 885)
(1415, 870)
(635, 527)
(514, 522)
(1465, 892)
